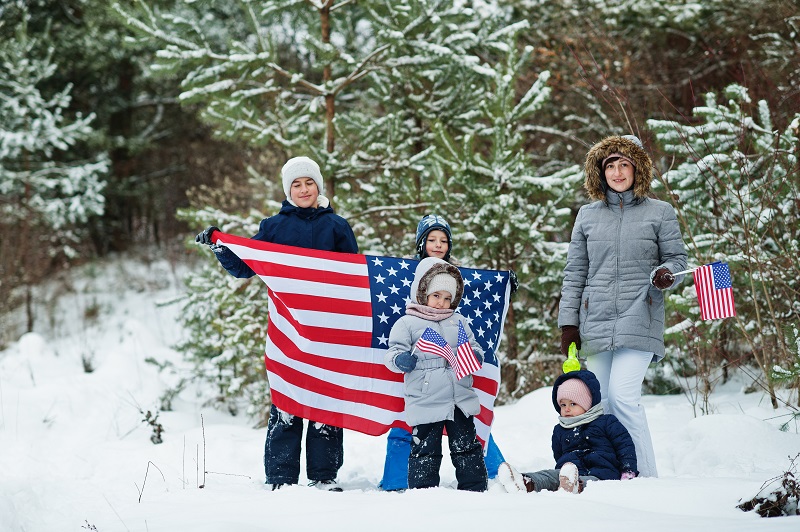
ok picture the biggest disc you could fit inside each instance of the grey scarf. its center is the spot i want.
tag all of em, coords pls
(587, 417)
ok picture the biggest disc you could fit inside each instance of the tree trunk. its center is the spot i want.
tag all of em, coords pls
(330, 101)
(121, 201)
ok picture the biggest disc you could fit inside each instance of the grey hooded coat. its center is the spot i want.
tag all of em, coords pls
(431, 389)
(618, 243)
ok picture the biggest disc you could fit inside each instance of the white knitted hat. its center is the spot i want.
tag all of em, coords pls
(300, 167)
(443, 281)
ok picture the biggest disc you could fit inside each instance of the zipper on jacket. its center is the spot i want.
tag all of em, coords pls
(616, 286)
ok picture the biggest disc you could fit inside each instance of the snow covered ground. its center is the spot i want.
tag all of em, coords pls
(75, 453)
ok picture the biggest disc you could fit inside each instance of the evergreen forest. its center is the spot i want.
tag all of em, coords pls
(131, 125)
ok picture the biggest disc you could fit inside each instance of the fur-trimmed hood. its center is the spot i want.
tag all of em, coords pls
(426, 270)
(629, 146)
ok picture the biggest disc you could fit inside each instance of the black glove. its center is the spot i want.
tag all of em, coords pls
(205, 236)
(663, 279)
(569, 334)
(512, 278)
(405, 361)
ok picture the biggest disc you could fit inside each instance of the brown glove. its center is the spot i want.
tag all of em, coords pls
(663, 279)
(569, 334)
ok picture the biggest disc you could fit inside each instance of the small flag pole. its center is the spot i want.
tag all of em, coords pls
(690, 270)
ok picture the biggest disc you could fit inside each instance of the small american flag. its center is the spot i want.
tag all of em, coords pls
(714, 291)
(466, 361)
(463, 361)
(432, 342)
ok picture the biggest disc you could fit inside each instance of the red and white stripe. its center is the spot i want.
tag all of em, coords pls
(467, 361)
(430, 347)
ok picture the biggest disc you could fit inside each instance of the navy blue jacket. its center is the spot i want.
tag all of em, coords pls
(602, 448)
(312, 228)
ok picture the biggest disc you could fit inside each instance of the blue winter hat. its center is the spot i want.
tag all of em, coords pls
(431, 222)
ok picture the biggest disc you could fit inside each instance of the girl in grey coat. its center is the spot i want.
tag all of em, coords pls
(624, 249)
(434, 398)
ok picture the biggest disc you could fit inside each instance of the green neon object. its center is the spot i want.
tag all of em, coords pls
(572, 363)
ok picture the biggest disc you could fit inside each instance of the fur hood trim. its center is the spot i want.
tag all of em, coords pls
(426, 270)
(595, 183)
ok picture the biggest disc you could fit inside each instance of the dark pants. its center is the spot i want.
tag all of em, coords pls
(398, 447)
(466, 454)
(324, 449)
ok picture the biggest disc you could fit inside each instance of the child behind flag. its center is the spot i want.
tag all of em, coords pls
(435, 399)
(434, 238)
(587, 443)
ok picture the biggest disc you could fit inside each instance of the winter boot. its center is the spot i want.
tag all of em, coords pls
(512, 480)
(569, 479)
(325, 485)
(277, 486)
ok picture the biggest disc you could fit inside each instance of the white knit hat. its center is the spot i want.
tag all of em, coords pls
(300, 167)
(443, 281)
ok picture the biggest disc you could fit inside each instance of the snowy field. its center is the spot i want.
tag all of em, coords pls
(76, 455)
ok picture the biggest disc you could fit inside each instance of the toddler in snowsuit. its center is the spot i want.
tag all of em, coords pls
(587, 444)
(435, 399)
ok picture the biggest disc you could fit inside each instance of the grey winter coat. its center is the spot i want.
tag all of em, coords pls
(431, 390)
(618, 243)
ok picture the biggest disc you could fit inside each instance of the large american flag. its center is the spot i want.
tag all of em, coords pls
(329, 320)
(714, 291)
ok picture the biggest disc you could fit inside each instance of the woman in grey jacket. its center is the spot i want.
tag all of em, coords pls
(624, 249)
(435, 398)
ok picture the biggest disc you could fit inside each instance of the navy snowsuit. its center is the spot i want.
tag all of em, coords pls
(313, 228)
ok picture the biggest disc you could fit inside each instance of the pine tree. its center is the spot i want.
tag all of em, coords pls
(436, 75)
(415, 105)
(517, 212)
(279, 73)
(48, 192)
(735, 185)
(227, 318)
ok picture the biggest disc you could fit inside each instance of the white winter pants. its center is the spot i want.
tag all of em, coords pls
(621, 373)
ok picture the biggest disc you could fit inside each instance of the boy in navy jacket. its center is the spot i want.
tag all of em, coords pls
(305, 220)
